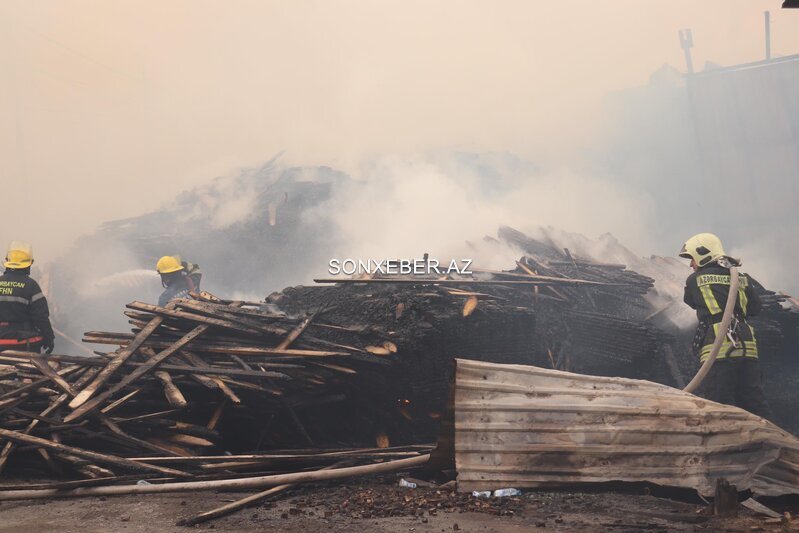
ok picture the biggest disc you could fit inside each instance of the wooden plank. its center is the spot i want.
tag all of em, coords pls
(138, 372)
(231, 314)
(110, 424)
(192, 317)
(296, 332)
(540, 280)
(244, 502)
(337, 368)
(356, 453)
(86, 454)
(89, 471)
(37, 383)
(55, 404)
(17, 356)
(115, 363)
(199, 363)
(227, 484)
(113, 405)
(188, 440)
(171, 391)
(217, 415)
(48, 371)
(159, 414)
(530, 272)
(215, 348)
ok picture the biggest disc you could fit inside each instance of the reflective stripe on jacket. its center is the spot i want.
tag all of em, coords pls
(706, 291)
(24, 314)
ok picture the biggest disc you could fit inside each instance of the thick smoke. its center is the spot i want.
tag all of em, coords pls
(715, 152)
(399, 207)
(263, 228)
(108, 110)
(515, 117)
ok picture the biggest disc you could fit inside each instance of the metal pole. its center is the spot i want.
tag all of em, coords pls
(767, 17)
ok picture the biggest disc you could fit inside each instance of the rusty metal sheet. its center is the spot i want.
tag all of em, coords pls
(528, 427)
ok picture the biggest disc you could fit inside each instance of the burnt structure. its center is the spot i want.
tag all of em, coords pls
(355, 364)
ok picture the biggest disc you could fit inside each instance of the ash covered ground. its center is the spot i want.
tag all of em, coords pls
(380, 505)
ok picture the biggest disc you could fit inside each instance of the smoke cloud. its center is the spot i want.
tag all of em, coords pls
(109, 110)
(445, 121)
(403, 207)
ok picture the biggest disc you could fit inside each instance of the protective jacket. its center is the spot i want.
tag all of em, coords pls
(706, 291)
(178, 289)
(24, 315)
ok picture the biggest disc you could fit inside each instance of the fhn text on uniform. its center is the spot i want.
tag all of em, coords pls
(424, 266)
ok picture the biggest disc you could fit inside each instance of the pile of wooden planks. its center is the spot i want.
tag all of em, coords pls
(167, 389)
(346, 366)
(193, 380)
(350, 365)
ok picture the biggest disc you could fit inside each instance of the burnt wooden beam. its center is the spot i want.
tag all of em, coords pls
(54, 405)
(123, 355)
(86, 454)
(138, 372)
(171, 391)
(170, 367)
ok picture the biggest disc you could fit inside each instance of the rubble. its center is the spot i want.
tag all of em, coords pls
(349, 374)
(367, 363)
(363, 502)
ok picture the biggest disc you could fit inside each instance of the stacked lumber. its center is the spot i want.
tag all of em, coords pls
(193, 380)
(351, 364)
(202, 376)
(348, 366)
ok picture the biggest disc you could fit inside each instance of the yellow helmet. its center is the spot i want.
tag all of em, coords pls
(19, 255)
(168, 264)
(702, 248)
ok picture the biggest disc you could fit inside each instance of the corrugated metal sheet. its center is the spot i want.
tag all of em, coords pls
(528, 427)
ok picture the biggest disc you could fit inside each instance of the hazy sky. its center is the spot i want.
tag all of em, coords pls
(108, 109)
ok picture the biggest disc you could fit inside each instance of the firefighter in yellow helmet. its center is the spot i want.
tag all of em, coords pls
(24, 315)
(735, 378)
(179, 278)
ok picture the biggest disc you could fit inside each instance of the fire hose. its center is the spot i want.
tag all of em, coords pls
(726, 319)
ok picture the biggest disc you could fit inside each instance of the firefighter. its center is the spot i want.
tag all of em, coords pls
(24, 315)
(179, 278)
(735, 377)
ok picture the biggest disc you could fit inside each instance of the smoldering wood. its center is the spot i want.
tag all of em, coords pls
(346, 364)
(424, 281)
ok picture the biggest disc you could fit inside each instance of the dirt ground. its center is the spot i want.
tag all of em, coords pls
(380, 506)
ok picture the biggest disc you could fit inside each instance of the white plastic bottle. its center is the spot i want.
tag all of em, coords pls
(499, 493)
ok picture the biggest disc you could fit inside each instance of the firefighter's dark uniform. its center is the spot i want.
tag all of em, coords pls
(24, 315)
(735, 378)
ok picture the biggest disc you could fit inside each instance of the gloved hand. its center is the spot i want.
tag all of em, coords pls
(48, 346)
